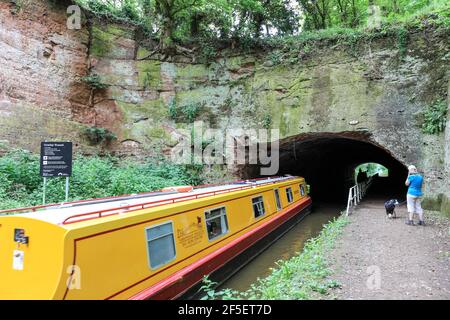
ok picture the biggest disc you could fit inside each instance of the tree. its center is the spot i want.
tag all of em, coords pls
(322, 14)
(317, 13)
(272, 16)
(170, 11)
(210, 19)
(349, 12)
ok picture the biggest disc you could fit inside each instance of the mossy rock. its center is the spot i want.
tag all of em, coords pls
(105, 41)
(192, 71)
(101, 42)
(432, 203)
(149, 74)
(151, 109)
(142, 53)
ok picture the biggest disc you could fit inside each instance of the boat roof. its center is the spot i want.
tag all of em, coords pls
(68, 213)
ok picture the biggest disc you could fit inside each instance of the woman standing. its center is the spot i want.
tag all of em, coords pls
(414, 195)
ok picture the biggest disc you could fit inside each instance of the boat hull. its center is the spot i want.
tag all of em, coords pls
(226, 261)
(232, 267)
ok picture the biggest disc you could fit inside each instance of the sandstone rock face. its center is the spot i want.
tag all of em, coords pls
(371, 88)
(41, 63)
(375, 90)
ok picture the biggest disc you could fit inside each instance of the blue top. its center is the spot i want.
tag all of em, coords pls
(415, 185)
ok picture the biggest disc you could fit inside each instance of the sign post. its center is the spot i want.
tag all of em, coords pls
(67, 189)
(43, 191)
(56, 161)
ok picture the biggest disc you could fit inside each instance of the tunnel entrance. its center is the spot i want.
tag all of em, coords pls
(328, 162)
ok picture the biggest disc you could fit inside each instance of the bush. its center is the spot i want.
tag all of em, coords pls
(17, 170)
(173, 110)
(435, 117)
(97, 135)
(187, 113)
(191, 111)
(267, 121)
(208, 52)
(276, 57)
(92, 177)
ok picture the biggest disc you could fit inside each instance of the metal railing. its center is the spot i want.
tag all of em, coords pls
(356, 193)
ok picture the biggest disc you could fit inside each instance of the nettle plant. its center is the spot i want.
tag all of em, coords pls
(435, 117)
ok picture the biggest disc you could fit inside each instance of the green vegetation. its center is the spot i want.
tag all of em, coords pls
(402, 41)
(208, 52)
(302, 277)
(173, 110)
(178, 20)
(435, 117)
(267, 121)
(191, 111)
(187, 113)
(97, 135)
(94, 81)
(245, 24)
(17, 6)
(92, 177)
(276, 57)
(371, 169)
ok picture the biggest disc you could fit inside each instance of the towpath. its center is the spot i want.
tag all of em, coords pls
(377, 258)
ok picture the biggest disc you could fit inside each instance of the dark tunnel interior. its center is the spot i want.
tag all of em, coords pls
(328, 160)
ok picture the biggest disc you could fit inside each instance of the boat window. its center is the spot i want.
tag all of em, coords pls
(258, 206)
(160, 244)
(216, 222)
(302, 190)
(277, 199)
(289, 195)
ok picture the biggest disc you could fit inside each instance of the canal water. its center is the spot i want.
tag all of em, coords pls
(286, 247)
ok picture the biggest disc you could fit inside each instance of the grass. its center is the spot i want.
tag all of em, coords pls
(92, 177)
(435, 117)
(303, 277)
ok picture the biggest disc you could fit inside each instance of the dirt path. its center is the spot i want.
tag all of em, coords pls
(377, 258)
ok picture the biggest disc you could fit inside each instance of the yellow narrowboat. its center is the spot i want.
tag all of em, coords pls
(149, 246)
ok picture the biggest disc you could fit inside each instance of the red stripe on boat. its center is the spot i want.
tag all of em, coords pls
(178, 283)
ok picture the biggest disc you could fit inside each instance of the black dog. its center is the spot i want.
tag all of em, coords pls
(390, 208)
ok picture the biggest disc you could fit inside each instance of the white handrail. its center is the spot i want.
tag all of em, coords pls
(356, 193)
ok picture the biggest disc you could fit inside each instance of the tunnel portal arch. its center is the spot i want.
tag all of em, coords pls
(328, 160)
